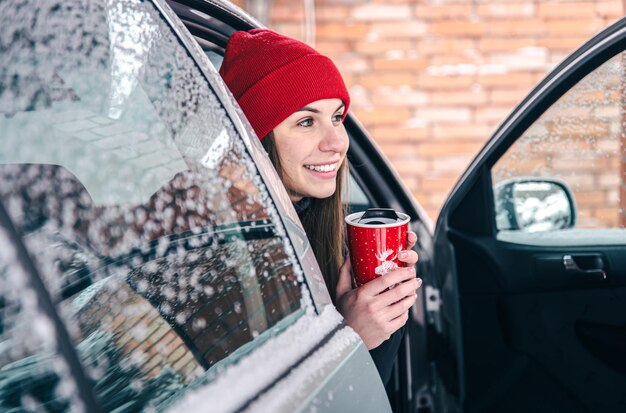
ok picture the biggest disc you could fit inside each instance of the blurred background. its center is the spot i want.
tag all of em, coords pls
(431, 80)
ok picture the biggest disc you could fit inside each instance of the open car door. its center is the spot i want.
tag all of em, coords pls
(529, 259)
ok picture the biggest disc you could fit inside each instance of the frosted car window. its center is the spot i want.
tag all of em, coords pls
(138, 201)
(580, 142)
(33, 376)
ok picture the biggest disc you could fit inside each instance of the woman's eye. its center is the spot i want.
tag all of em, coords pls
(338, 117)
(306, 122)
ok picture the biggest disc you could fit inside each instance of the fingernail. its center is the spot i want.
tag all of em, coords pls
(412, 270)
(419, 282)
(403, 254)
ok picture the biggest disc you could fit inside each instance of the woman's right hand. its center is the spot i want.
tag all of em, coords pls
(373, 310)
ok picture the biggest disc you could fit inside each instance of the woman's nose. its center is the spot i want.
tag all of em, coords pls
(335, 139)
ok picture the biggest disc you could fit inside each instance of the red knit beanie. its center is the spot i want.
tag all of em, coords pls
(272, 76)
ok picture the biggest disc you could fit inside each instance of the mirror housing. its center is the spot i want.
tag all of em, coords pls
(534, 205)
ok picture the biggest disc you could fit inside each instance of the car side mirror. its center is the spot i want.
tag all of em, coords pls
(534, 205)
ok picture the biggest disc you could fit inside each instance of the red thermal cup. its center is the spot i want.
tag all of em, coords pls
(375, 237)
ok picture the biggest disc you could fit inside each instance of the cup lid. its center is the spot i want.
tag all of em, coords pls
(385, 213)
(377, 218)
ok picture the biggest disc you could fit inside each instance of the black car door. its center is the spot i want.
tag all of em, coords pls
(529, 256)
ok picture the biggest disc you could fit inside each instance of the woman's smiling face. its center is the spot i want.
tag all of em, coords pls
(312, 144)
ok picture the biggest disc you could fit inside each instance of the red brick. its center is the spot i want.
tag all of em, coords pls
(399, 64)
(508, 97)
(387, 79)
(351, 63)
(457, 28)
(459, 98)
(609, 216)
(327, 31)
(287, 12)
(496, 44)
(329, 13)
(402, 96)
(444, 46)
(524, 27)
(571, 27)
(506, 79)
(342, 2)
(591, 198)
(444, 82)
(393, 1)
(609, 146)
(561, 10)
(562, 43)
(455, 165)
(442, 115)
(439, 184)
(611, 9)
(400, 150)
(398, 30)
(408, 167)
(576, 129)
(381, 12)
(429, 149)
(512, 10)
(523, 59)
(524, 166)
(608, 180)
(295, 30)
(469, 131)
(572, 163)
(452, 59)
(333, 47)
(442, 11)
(379, 47)
(382, 116)
(399, 133)
(492, 114)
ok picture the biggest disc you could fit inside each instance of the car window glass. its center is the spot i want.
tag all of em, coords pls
(138, 202)
(354, 196)
(33, 375)
(577, 145)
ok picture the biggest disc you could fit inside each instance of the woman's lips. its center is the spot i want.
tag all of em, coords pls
(322, 170)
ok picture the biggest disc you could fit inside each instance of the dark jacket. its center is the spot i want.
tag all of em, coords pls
(384, 355)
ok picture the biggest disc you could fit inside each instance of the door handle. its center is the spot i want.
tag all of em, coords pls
(593, 265)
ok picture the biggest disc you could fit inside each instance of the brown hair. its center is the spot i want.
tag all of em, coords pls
(322, 222)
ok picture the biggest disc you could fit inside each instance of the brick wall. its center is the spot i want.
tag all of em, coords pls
(431, 80)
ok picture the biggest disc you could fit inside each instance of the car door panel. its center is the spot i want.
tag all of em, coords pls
(521, 307)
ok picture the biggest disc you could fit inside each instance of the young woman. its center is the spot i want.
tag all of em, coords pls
(296, 101)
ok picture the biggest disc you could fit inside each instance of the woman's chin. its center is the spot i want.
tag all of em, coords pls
(323, 194)
(320, 191)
